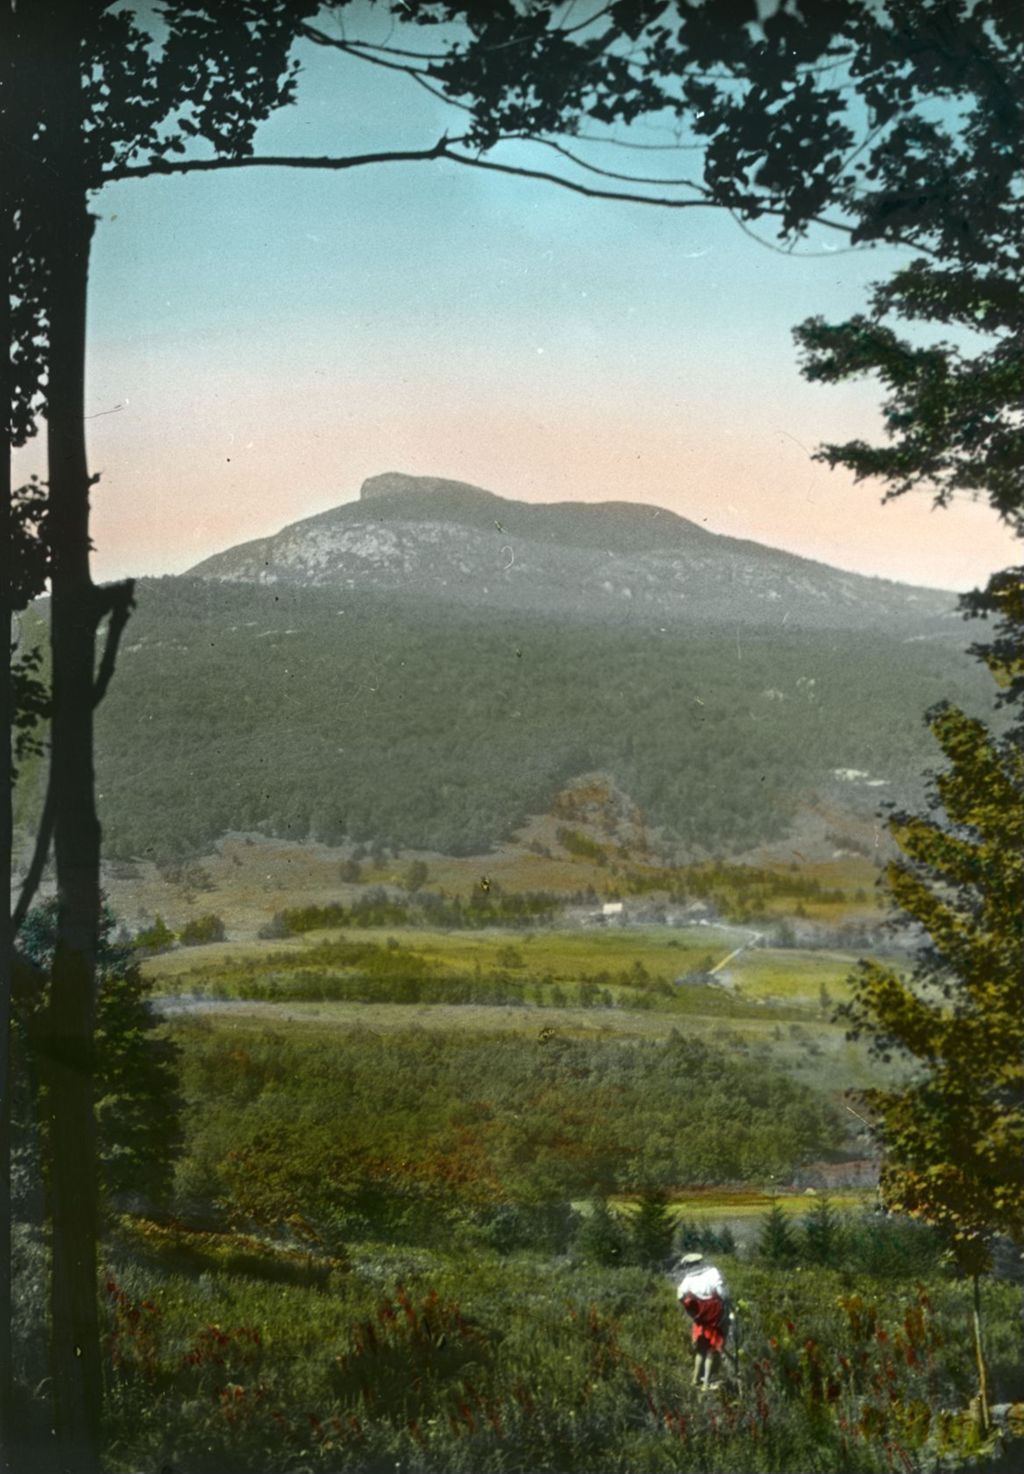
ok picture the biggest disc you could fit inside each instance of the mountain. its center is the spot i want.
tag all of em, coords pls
(447, 540)
(430, 665)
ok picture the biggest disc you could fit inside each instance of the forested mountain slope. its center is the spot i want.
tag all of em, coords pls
(326, 713)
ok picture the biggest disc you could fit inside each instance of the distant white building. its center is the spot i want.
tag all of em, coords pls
(613, 911)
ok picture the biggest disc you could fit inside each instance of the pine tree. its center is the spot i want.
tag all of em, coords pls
(822, 1233)
(602, 1237)
(776, 1244)
(651, 1231)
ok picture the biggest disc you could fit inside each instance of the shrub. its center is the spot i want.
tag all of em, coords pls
(275, 929)
(155, 938)
(547, 1228)
(202, 929)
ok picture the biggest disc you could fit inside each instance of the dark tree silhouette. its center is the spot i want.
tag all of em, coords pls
(798, 118)
(952, 182)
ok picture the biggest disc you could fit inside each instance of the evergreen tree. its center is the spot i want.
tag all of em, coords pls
(821, 1233)
(602, 1237)
(651, 1231)
(138, 1104)
(776, 1242)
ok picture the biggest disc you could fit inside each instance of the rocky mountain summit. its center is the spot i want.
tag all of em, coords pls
(629, 562)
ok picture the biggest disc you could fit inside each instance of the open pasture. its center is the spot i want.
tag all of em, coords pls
(810, 977)
(608, 956)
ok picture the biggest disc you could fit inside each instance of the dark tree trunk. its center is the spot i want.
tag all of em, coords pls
(68, 1046)
(69, 1051)
(8, 84)
(6, 845)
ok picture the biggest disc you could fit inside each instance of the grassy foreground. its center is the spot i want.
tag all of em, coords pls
(419, 1360)
(430, 1191)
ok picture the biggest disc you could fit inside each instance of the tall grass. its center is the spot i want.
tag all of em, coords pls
(430, 1362)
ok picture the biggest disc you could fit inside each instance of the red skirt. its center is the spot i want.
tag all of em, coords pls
(708, 1318)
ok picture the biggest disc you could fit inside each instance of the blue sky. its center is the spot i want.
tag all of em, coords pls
(261, 341)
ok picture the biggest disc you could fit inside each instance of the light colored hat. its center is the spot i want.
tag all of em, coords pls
(688, 1260)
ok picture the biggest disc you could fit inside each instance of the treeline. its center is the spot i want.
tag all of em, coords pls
(737, 892)
(328, 715)
(377, 908)
(344, 970)
(865, 1242)
(732, 889)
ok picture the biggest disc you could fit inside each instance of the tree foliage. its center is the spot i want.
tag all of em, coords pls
(138, 1106)
(266, 708)
(952, 406)
(953, 1128)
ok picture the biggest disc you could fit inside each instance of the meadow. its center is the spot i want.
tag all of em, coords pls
(432, 1187)
(418, 1360)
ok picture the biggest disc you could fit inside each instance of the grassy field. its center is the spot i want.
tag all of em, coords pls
(665, 954)
(797, 976)
(567, 954)
(420, 1361)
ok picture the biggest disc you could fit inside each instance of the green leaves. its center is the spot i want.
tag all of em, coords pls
(953, 1135)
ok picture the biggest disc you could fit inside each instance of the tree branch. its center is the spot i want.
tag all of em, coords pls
(566, 153)
(442, 149)
(661, 201)
(276, 161)
(40, 855)
(118, 601)
(354, 48)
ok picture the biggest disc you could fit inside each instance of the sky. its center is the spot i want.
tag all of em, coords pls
(263, 340)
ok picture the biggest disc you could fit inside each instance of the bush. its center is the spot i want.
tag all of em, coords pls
(202, 929)
(548, 1228)
(155, 938)
(891, 1247)
(276, 929)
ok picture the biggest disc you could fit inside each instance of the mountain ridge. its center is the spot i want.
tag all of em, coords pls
(451, 540)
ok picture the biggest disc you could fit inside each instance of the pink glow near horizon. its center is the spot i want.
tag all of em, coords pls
(162, 507)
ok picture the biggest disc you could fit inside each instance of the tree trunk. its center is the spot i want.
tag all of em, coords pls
(6, 838)
(979, 1352)
(8, 190)
(68, 1045)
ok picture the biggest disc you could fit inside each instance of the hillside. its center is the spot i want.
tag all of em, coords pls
(357, 716)
(448, 541)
